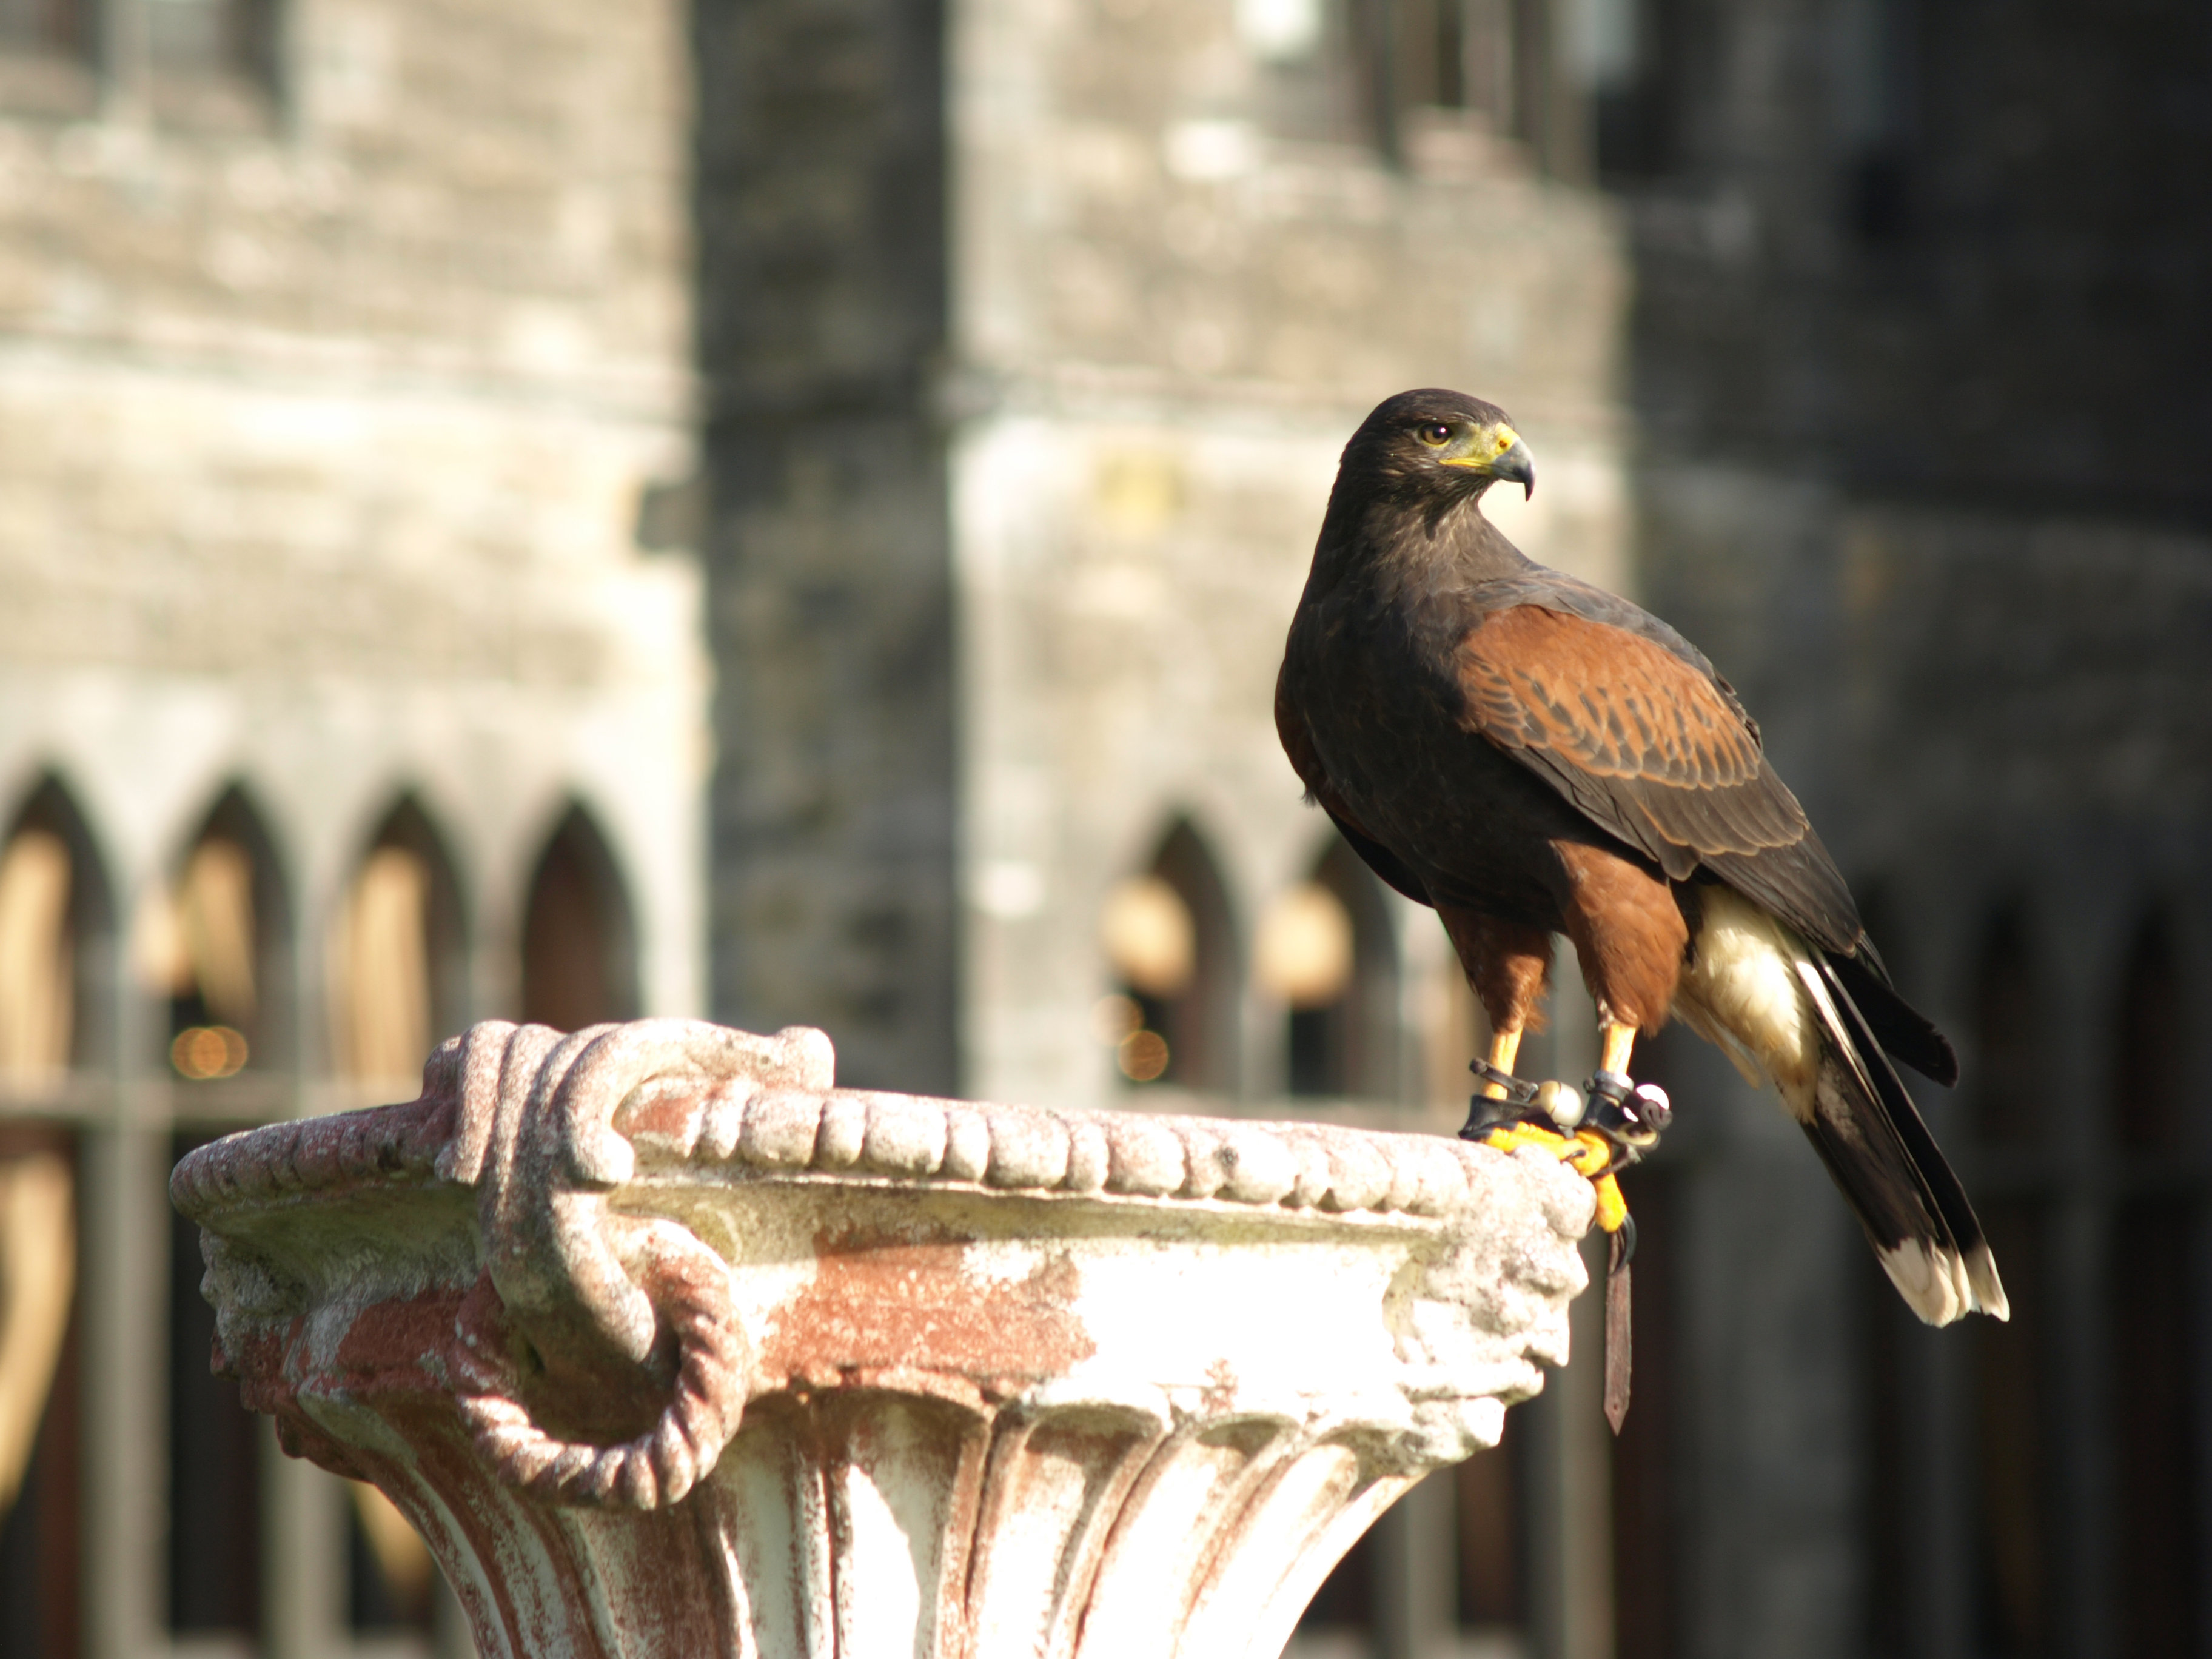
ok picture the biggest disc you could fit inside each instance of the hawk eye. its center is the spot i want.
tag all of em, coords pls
(1436, 434)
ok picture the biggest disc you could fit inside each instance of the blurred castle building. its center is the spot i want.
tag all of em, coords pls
(1031, 335)
(1028, 352)
(347, 692)
(363, 382)
(1866, 340)
(1919, 358)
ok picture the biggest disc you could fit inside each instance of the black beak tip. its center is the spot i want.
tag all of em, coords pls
(1517, 466)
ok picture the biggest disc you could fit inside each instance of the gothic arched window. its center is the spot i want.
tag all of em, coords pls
(56, 949)
(56, 939)
(215, 944)
(1169, 936)
(218, 944)
(1325, 948)
(398, 965)
(579, 945)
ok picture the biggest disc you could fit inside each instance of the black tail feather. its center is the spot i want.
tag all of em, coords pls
(1887, 1165)
(1943, 1184)
(1900, 1029)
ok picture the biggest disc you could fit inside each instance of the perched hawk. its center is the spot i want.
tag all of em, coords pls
(1532, 756)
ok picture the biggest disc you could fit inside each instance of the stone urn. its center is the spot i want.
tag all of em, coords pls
(669, 1346)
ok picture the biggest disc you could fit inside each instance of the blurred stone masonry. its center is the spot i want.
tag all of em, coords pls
(669, 1346)
(1028, 336)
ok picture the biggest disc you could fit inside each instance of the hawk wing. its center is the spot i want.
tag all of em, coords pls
(1652, 752)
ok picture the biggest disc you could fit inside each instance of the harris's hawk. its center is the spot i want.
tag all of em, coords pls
(1531, 755)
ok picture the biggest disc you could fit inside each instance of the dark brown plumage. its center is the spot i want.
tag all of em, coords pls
(1533, 755)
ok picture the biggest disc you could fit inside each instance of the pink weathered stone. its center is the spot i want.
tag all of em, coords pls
(669, 1347)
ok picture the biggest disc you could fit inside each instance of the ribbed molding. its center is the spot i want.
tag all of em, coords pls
(670, 1348)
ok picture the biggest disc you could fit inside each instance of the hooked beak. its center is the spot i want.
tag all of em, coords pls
(1516, 466)
(1512, 465)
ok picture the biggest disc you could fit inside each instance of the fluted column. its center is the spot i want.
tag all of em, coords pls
(670, 1348)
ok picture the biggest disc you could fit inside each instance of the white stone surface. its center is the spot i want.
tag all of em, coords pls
(669, 1346)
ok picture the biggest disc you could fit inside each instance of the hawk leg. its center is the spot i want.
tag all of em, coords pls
(1620, 1123)
(1629, 1115)
(1504, 1047)
(1630, 936)
(1616, 1044)
(1508, 967)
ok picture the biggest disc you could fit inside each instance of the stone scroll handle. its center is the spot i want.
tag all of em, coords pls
(534, 1133)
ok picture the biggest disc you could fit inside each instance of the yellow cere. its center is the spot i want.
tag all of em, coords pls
(1503, 438)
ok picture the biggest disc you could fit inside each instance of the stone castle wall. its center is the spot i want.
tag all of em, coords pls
(1029, 379)
(324, 430)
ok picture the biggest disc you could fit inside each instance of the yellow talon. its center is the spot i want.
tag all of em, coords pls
(1588, 1152)
(1612, 1207)
(1508, 1137)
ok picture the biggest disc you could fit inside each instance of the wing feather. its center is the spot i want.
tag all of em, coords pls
(1654, 750)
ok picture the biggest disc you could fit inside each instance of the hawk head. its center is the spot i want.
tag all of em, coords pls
(1434, 442)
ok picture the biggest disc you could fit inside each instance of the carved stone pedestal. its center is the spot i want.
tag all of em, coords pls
(670, 1348)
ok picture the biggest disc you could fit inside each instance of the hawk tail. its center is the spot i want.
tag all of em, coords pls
(1899, 1183)
(1771, 1001)
(1904, 1032)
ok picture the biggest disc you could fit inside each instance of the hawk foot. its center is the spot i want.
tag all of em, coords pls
(1620, 1122)
(1631, 1116)
(1589, 1153)
(1517, 1101)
